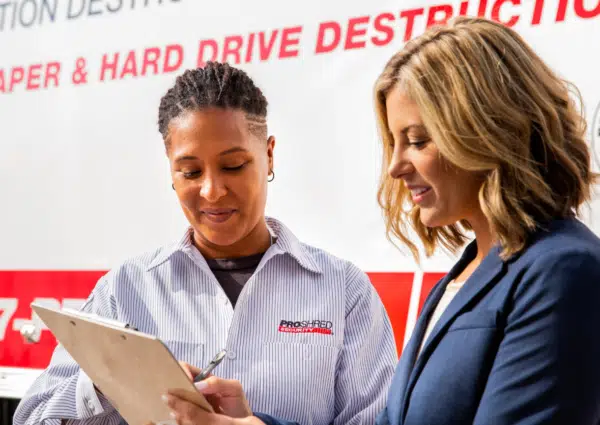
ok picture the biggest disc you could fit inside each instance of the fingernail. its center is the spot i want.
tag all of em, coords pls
(173, 415)
(201, 385)
(165, 398)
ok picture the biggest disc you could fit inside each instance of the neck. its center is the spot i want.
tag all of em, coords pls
(483, 235)
(256, 242)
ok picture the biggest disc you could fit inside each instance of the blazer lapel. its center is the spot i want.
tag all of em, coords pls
(409, 354)
(484, 276)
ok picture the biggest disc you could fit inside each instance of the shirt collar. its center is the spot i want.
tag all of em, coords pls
(182, 245)
(286, 243)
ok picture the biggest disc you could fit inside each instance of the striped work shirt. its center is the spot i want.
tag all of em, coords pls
(309, 338)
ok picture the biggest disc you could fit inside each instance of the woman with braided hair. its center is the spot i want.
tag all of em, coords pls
(302, 329)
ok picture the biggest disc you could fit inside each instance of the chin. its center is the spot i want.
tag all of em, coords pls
(433, 219)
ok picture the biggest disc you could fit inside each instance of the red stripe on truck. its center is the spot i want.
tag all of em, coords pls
(69, 288)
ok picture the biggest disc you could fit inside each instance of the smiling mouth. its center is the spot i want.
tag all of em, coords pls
(218, 216)
(419, 193)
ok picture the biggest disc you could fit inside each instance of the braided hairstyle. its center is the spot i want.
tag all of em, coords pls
(217, 85)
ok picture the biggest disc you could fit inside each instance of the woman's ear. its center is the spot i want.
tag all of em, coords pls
(270, 148)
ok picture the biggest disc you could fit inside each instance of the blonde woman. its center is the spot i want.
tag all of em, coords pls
(480, 135)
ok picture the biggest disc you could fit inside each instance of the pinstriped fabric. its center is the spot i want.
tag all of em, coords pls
(334, 369)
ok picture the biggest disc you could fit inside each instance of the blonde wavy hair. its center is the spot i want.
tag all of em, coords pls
(493, 107)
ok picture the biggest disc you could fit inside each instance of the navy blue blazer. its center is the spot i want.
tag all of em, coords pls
(518, 345)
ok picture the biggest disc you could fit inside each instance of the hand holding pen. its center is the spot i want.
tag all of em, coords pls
(225, 395)
(196, 374)
(211, 366)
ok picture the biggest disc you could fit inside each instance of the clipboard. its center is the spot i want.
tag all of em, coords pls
(131, 369)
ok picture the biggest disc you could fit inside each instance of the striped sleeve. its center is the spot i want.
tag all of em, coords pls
(368, 358)
(63, 391)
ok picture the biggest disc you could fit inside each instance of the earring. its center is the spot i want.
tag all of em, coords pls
(272, 173)
(173, 186)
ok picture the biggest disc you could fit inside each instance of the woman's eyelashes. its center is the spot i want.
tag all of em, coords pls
(191, 174)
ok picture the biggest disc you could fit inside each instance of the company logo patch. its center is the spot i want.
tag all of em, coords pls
(306, 326)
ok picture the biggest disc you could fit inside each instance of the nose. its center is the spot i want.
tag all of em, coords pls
(399, 165)
(212, 187)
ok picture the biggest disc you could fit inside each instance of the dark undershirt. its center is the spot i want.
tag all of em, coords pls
(233, 273)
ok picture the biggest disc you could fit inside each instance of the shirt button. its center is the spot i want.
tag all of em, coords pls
(231, 355)
(91, 406)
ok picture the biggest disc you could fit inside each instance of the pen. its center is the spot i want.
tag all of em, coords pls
(211, 366)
